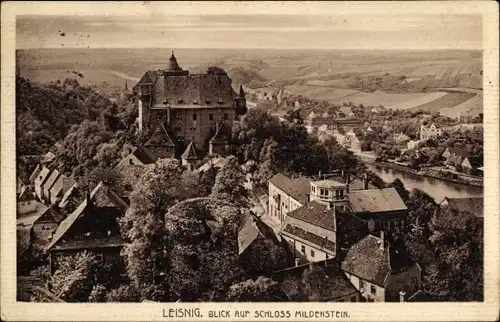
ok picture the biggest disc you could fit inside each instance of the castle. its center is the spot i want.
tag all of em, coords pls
(189, 114)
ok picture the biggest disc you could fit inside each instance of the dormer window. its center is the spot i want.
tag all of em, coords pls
(195, 102)
(220, 101)
(180, 101)
(207, 101)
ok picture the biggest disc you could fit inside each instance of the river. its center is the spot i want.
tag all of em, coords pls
(436, 188)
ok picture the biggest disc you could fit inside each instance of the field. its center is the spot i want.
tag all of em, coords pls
(395, 79)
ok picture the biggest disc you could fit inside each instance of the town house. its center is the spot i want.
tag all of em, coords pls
(430, 131)
(379, 271)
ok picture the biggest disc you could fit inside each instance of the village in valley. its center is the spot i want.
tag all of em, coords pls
(220, 185)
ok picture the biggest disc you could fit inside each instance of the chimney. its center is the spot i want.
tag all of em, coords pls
(365, 181)
(296, 261)
(402, 296)
(319, 174)
(382, 239)
(343, 174)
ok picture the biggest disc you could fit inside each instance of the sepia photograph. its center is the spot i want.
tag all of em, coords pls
(249, 157)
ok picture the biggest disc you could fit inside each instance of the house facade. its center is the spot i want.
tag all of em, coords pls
(379, 271)
(286, 194)
(46, 225)
(26, 201)
(189, 106)
(430, 131)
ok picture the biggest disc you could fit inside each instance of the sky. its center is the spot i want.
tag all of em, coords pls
(251, 31)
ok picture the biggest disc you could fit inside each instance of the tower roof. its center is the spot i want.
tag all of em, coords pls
(242, 92)
(172, 63)
(190, 152)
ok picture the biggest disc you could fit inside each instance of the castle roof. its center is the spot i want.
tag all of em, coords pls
(190, 152)
(160, 137)
(193, 91)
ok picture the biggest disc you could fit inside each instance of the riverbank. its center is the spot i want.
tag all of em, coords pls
(433, 173)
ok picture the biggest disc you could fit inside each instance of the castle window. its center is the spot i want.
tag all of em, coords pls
(210, 117)
(180, 101)
(303, 249)
(195, 116)
(220, 101)
(195, 102)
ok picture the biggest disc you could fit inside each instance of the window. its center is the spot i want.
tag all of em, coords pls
(100, 257)
(353, 298)
(312, 253)
(181, 138)
(226, 116)
(130, 161)
(195, 116)
(373, 290)
(341, 194)
(303, 249)
(322, 192)
(178, 116)
(210, 117)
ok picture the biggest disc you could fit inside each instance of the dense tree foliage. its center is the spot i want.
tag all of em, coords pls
(260, 290)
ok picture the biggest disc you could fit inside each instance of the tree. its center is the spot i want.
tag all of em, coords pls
(75, 277)
(260, 290)
(124, 293)
(264, 257)
(229, 182)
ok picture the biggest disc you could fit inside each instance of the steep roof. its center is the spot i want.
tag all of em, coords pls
(57, 187)
(298, 188)
(193, 91)
(368, 260)
(190, 152)
(141, 153)
(470, 205)
(248, 233)
(68, 195)
(222, 134)
(376, 200)
(160, 137)
(316, 214)
(65, 225)
(346, 110)
(476, 161)
(327, 183)
(172, 63)
(457, 151)
(420, 296)
(25, 195)
(35, 173)
(51, 214)
(67, 184)
(51, 180)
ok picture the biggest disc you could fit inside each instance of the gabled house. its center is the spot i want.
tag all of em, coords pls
(161, 144)
(35, 174)
(136, 156)
(379, 271)
(39, 182)
(472, 163)
(59, 188)
(26, 201)
(430, 131)
(92, 227)
(46, 225)
(454, 156)
(382, 209)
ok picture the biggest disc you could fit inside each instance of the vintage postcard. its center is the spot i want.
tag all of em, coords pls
(250, 161)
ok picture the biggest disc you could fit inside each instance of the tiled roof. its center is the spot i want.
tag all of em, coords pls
(67, 184)
(190, 152)
(329, 183)
(193, 91)
(143, 155)
(367, 260)
(298, 189)
(68, 195)
(326, 283)
(316, 214)
(313, 238)
(470, 205)
(348, 221)
(376, 200)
